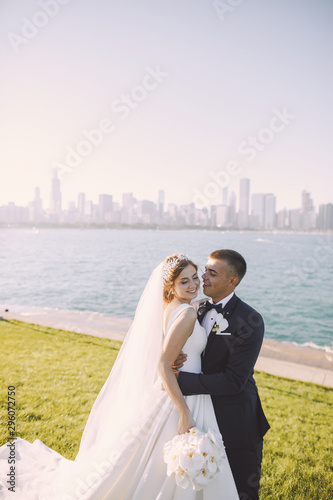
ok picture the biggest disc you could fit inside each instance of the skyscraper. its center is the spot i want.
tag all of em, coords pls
(282, 219)
(128, 200)
(222, 215)
(105, 207)
(270, 203)
(307, 203)
(36, 213)
(147, 211)
(225, 196)
(232, 209)
(308, 215)
(55, 204)
(128, 213)
(257, 210)
(244, 203)
(81, 201)
(160, 205)
(325, 217)
(263, 211)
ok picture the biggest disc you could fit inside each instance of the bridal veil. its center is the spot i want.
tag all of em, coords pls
(131, 388)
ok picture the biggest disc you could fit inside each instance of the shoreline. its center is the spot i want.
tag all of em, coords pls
(284, 359)
(83, 322)
(38, 226)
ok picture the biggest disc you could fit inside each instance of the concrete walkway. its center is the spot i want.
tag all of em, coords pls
(295, 371)
(283, 359)
(88, 323)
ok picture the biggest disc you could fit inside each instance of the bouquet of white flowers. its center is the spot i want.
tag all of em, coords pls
(194, 458)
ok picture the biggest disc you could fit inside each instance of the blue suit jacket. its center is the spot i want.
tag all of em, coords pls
(227, 366)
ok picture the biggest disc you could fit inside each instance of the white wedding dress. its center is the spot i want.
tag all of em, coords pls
(131, 469)
(139, 472)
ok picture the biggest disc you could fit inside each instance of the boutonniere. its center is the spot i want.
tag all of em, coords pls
(220, 324)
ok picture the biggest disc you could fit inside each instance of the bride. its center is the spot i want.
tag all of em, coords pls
(121, 454)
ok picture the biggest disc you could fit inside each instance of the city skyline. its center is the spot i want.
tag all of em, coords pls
(174, 94)
(246, 211)
(225, 193)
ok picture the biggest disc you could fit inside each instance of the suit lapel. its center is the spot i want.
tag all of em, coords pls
(211, 337)
(202, 311)
(230, 307)
(227, 312)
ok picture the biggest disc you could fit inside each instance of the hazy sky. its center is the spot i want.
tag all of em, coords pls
(178, 88)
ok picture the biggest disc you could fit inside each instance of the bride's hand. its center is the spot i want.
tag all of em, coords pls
(185, 422)
(182, 357)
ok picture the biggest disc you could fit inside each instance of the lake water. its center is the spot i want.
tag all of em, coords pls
(289, 278)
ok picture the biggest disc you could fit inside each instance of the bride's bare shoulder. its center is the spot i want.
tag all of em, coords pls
(179, 313)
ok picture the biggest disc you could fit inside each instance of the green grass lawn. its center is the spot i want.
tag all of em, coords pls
(58, 374)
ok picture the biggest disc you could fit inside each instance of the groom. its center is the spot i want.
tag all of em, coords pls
(235, 334)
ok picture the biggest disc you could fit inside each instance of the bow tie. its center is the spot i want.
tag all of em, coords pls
(207, 306)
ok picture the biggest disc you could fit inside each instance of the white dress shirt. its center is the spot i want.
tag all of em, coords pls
(210, 317)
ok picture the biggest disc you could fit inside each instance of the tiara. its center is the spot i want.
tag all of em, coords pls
(171, 264)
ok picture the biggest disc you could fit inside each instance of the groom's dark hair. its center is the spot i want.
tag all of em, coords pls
(235, 260)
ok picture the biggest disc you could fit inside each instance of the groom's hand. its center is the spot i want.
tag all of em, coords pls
(179, 362)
